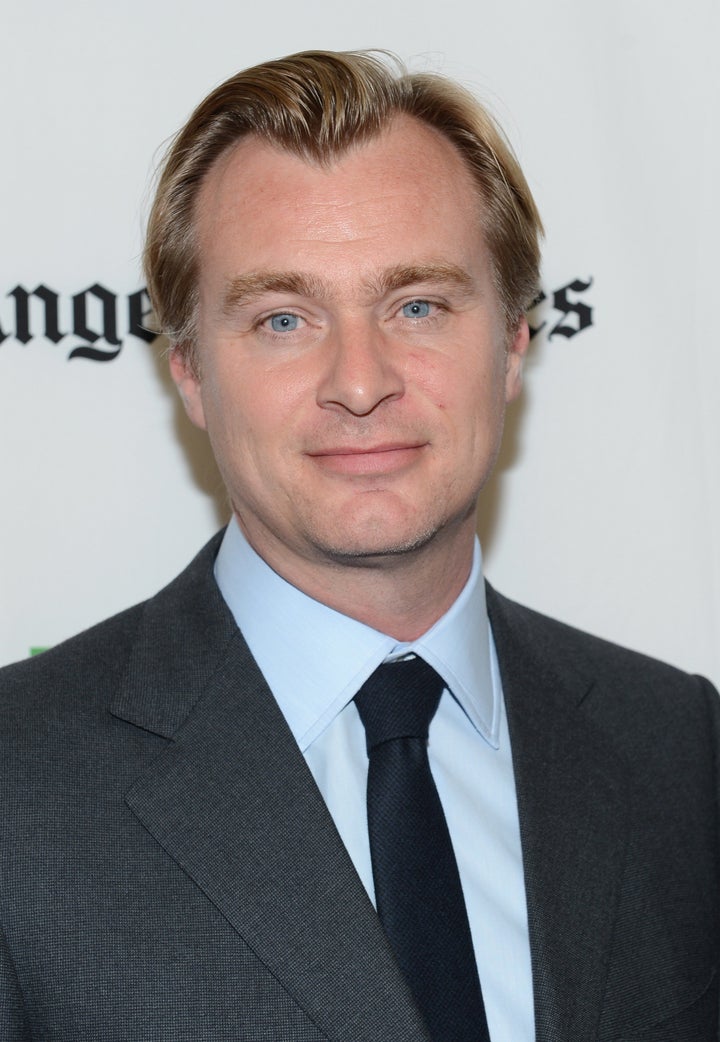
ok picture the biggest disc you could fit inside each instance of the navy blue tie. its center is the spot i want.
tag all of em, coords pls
(417, 886)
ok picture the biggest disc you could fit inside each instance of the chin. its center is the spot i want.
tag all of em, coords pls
(372, 547)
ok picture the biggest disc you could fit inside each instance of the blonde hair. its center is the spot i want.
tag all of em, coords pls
(317, 105)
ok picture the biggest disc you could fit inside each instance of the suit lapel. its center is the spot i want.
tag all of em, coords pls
(572, 824)
(232, 801)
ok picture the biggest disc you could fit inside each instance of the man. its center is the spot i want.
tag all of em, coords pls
(342, 255)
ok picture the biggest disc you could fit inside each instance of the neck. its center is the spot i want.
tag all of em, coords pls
(401, 595)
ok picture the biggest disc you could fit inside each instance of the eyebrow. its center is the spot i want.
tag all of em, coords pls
(402, 275)
(244, 289)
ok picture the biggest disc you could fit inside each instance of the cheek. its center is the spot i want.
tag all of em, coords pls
(249, 409)
(436, 378)
(226, 412)
(470, 395)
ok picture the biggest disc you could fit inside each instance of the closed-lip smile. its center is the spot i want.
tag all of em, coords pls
(367, 459)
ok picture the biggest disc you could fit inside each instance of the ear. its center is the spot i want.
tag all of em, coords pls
(187, 381)
(514, 357)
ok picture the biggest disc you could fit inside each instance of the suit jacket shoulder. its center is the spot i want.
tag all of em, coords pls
(102, 660)
(625, 684)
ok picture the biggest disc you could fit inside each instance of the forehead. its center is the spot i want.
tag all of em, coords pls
(409, 178)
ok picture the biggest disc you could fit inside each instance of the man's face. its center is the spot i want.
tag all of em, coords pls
(353, 361)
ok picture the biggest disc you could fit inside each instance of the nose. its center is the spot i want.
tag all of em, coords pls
(362, 371)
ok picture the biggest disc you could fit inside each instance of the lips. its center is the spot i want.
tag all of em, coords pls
(371, 460)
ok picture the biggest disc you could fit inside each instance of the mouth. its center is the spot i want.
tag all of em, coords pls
(368, 460)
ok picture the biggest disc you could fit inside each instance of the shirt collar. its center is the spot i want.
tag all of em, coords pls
(315, 659)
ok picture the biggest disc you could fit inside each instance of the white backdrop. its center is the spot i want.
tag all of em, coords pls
(606, 508)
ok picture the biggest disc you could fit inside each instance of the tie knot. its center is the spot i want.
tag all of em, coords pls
(399, 701)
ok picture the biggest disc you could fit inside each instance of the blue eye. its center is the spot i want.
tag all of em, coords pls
(283, 323)
(416, 309)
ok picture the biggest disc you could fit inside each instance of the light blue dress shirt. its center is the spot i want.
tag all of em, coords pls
(315, 660)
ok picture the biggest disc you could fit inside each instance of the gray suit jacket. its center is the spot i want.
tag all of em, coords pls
(169, 871)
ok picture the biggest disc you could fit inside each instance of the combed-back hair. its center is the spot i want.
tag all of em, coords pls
(317, 105)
